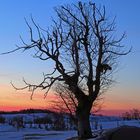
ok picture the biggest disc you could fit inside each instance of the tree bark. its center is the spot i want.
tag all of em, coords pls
(84, 129)
(83, 122)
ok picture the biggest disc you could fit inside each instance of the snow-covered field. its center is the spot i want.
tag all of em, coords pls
(114, 124)
(8, 132)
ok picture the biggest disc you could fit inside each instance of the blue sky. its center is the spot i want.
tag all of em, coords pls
(12, 24)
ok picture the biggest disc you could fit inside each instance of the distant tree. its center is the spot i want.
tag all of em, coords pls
(18, 122)
(66, 102)
(43, 120)
(2, 119)
(132, 114)
(135, 113)
(126, 116)
(84, 50)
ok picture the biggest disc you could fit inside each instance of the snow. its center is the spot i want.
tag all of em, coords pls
(8, 132)
(114, 124)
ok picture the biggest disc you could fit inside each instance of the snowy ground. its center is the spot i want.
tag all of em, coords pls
(114, 124)
(9, 133)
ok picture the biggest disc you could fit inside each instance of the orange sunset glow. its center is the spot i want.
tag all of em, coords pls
(19, 100)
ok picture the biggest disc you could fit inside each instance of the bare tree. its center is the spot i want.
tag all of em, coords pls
(67, 99)
(67, 103)
(83, 47)
(131, 114)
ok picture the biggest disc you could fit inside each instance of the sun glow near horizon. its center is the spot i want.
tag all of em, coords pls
(12, 100)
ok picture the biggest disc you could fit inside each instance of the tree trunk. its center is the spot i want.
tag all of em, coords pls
(84, 129)
(83, 122)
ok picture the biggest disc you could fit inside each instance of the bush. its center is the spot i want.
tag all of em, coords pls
(2, 119)
(18, 122)
(43, 120)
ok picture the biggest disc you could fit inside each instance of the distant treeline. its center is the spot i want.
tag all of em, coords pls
(131, 114)
(26, 111)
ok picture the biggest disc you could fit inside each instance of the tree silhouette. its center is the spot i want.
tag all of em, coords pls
(66, 101)
(82, 45)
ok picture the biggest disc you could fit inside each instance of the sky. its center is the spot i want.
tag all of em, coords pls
(123, 95)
